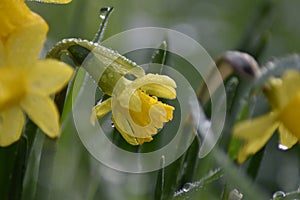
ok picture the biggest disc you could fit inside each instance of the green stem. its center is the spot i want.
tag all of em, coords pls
(254, 165)
(105, 13)
(160, 183)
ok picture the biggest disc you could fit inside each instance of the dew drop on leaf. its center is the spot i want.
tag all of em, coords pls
(186, 187)
(278, 195)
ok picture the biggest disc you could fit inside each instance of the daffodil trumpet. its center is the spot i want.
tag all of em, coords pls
(136, 111)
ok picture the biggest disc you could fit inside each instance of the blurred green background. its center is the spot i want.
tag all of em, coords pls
(266, 29)
(217, 25)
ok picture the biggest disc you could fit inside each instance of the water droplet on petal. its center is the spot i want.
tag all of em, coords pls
(103, 12)
(112, 125)
(282, 147)
(278, 195)
(130, 77)
(186, 187)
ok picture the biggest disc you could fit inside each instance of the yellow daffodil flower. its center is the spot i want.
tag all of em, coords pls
(136, 115)
(284, 97)
(25, 81)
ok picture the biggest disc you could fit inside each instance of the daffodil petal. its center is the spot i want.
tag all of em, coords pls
(11, 125)
(153, 79)
(143, 140)
(254, 144)
(14, 14)
(43, 112)
(127, 127)
(127, 96)
(100, 110)
(31, 36)
(131, 101)
(162, 91)
(48, 76)
(255, 134)
(152, 112)
(153, 84)
(275, 93)
(2, 55)
(131, 139)
(286, 138)
(53, 1)
(158, 81)
(144, 123)
(289, 115)
(253, 128)
(122, 123)
(291, 83)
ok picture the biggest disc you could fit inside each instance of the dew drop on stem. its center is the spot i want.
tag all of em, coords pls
(103, 12)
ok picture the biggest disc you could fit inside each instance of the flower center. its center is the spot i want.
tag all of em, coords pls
(290, 115)
(12, 87)
(161, 112)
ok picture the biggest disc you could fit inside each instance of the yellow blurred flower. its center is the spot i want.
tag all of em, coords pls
(284, 97)
(136, 115)
(25, 81)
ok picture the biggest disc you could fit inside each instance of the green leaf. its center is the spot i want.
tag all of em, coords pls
(234, 148)
(236, 179)
(73, 92)
(167, 180)
(191, 188)
(33, 164)
(12, 159)
(160, 55)
(7, 161)
(191, 162)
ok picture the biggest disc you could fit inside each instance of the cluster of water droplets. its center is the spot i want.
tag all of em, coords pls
(185, 189)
